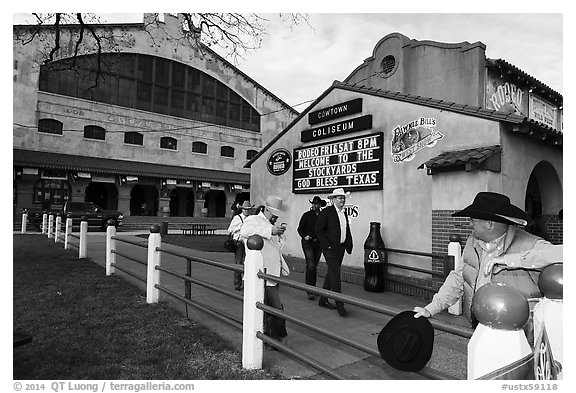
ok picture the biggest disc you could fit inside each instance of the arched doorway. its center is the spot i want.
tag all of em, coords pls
(215, 202)
(174, 203)
(543, 191)
(104, 195)
(143, 200)
(190, 204)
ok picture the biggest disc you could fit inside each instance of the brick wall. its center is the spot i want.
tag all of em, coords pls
(444, 225)
(554, 227)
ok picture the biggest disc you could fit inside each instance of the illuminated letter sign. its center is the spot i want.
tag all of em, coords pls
(335, 129)
(353, 163)
(335, 111)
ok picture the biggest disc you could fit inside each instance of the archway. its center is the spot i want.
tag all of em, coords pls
(215, 202)
(543, 191)
(104, 195)
(143, 200)
(190, 204)
(174, 203)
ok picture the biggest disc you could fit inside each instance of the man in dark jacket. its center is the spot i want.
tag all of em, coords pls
(310, 244)
(333, 232)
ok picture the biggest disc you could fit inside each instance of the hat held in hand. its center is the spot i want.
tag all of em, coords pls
(406, 343)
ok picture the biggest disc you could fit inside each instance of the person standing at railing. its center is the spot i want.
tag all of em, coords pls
(497, 251)
(234, 230)
(262, 224)
(310, 244)
(335, 237)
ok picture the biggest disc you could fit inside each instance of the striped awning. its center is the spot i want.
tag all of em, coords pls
(107, 166)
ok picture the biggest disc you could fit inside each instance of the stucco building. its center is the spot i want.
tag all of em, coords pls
(414, 133)
(168, 128)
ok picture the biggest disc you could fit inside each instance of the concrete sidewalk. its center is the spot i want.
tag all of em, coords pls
(360, 325)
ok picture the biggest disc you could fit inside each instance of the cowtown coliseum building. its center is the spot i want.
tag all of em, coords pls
(167, 131)
(414, 133)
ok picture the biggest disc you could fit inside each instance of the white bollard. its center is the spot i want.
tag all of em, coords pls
(153, 275)
(498, 349)
(57, 229)
(50, 225)
(83, 246)
(455, 250)
(110, 250)
(67, 233)
(253, 318)
(24, 222)
(44, 223)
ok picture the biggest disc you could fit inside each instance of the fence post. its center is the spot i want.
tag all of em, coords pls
(68, 232)
(57, 229)
(24, 221)
(82, 247)
(253, 318)
(44, 222)
(110, 248)
(50, 225)
(455, 250)
(153, 275)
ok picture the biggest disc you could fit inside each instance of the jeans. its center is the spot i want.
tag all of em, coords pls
(274, 326)
(239, 257)
(332, 280)
(312, 253)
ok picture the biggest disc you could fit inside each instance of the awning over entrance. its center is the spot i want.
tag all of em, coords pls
(486, 157)
(47, 160)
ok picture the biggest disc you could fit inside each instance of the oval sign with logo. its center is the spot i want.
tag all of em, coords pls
(279, 161)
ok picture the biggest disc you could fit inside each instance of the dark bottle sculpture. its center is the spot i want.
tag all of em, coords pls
(375, 259)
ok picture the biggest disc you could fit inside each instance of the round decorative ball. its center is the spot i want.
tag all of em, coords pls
(84, 218)
(155, 228)
(500, 306)
(111, 223)
(551, 281)
(255, 242)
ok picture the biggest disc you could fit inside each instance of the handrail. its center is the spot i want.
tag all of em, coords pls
(141, 262)
(133, 242)
(390, 311)
(236, 268)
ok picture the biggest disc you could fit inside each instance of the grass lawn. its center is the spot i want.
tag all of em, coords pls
(86, 325)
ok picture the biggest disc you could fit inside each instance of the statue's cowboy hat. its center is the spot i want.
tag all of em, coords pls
(492, 206)
(246, 205)
(339, 192)
(319, 200)
(274, 204)
(406, 343)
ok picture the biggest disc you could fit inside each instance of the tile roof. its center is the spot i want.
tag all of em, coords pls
(39, 159)
(461, 158)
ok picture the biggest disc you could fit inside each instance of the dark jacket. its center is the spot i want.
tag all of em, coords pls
(307, 225)
(328, 229)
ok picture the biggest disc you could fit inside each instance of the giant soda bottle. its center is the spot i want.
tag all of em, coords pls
(375, 259)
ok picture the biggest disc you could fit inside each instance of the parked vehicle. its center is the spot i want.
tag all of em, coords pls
(96, 215)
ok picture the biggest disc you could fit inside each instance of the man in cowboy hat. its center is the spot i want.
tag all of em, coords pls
(333, 232)
(262, 224)
(497, 251)
(310, 244)
(234, 230)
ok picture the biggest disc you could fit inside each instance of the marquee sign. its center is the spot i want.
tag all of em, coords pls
(353, 163)
(342, 127)
(335, 111)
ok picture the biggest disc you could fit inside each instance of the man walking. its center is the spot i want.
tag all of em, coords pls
(309, 240)
(333, 232)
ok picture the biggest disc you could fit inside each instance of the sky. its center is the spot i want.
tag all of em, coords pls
(298, 63)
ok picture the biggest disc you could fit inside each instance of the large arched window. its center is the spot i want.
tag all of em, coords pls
(94, 132)
(50, 126)
(199, 147)
(227, 151)
(167, 142)
(150, 83)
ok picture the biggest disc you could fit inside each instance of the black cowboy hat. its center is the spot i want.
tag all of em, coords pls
(406, 343)
(492, 206)
(319, 200)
